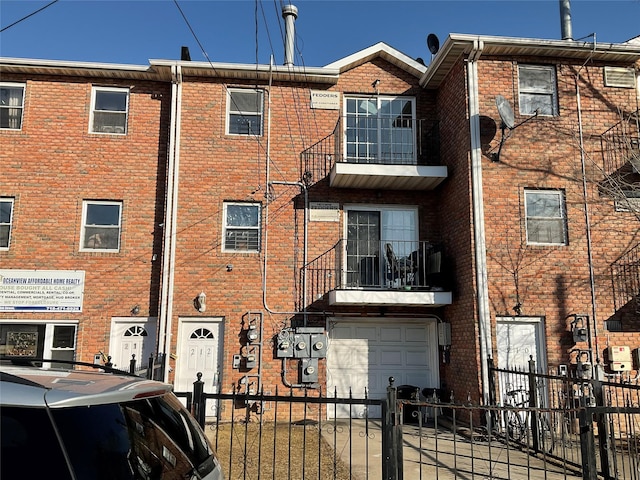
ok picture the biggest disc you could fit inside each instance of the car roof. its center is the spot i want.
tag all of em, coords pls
(59, 388)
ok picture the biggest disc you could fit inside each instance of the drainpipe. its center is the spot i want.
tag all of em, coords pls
(484, 319)
(171, 213)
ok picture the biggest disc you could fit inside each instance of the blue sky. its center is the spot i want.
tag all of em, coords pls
(246, 31)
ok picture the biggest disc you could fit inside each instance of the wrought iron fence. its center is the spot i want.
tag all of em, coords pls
(421, 437)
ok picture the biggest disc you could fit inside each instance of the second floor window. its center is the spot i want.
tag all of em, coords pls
(241, 227)
(380, 130)
(538, 92)
(545, 214)
(101, 226)
(11, 105)
(244, 107)
(109, 109)
(6, 211)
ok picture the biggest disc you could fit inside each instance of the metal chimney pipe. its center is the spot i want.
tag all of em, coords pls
(289, 13)
(565, 20)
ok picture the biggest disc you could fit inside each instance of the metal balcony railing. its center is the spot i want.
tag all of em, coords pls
(620, 146)
(376, 265)
(381, 141)
(625, 276)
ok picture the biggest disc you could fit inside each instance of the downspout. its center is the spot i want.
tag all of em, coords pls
(484, 320)
(171, 213)
(265, 242)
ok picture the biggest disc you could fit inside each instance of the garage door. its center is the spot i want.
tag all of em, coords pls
(363, 355)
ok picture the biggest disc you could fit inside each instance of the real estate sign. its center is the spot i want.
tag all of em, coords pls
(41, 290)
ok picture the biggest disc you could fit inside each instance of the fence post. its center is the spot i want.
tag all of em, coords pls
(533, 403)
(604, 439)
(150, 367)
(391, 429)
(198, 400)
(132, 364)
(587, 445)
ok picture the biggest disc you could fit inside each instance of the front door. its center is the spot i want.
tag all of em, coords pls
(200, 345)
(519, 339)
(132, 338)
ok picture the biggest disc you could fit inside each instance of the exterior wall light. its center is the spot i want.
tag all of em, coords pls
(200, 302)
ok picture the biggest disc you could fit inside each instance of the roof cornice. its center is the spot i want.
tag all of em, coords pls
(384, 51)
(457, 45)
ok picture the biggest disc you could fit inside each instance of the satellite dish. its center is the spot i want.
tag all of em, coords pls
(506, 112)
(433, 43)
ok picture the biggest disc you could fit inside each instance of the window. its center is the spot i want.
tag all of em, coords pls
(537, 90)
(101, 226)
(242, 227)
(380, 130)
(6, 210)
(245, 112)
(11, 105)
(109, 107)
(370, 233)
(545, 217)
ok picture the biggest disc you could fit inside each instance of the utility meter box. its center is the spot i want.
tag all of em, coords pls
(619, 358)
(309, 370)
(318, 346)
(444, 334)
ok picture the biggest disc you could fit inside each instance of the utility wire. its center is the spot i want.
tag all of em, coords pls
(30, 15)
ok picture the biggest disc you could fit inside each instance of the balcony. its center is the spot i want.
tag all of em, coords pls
(375, 153)
(625, 276)
(379, 273)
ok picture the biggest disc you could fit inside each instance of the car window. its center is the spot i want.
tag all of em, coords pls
(29, 447)
(149, 438)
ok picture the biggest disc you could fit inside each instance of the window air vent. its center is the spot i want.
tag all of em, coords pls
(619, 77)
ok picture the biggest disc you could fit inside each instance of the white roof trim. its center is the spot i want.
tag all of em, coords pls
(383, 50)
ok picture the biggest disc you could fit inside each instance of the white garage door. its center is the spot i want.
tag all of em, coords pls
(363, 355)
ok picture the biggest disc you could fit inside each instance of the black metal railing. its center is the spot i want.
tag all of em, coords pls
(417, 435)
(375, 264)
(625, 278)
(620, 146)
(380, 141)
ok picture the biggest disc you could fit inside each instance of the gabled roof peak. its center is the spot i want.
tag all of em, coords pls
(381, 50)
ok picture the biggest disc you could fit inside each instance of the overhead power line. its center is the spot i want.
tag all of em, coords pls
(30, 15)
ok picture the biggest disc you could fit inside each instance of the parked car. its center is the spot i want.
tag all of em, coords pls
(91, 425)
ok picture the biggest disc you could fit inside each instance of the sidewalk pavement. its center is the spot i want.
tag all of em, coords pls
(431, 453)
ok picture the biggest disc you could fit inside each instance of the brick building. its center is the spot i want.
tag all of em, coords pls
(326, 228)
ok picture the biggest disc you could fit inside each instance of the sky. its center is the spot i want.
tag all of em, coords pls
(251, 31)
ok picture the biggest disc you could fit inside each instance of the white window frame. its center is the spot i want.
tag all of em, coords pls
(529, 219)
(234, 110)
(83, 240)
(229, 228)
(537, 91)
(11, 202)
(8, 107)
(381, 124)
(109, 129)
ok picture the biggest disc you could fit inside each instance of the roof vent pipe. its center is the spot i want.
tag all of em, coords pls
(565, 20)
(289, 13)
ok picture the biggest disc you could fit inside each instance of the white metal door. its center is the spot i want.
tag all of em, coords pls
(200, 344)
(132, 337)
(519, 339)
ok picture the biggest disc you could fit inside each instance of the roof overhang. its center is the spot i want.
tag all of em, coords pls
(459, 45)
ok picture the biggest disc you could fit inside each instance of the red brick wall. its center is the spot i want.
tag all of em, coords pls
(52, 164)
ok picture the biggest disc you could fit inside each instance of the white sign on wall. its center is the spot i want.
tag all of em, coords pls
(41, 290)
(325, 100)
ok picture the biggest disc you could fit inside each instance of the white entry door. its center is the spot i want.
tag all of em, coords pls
(200, 346)
(518, 340)
(363, 355)
(132, 336)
